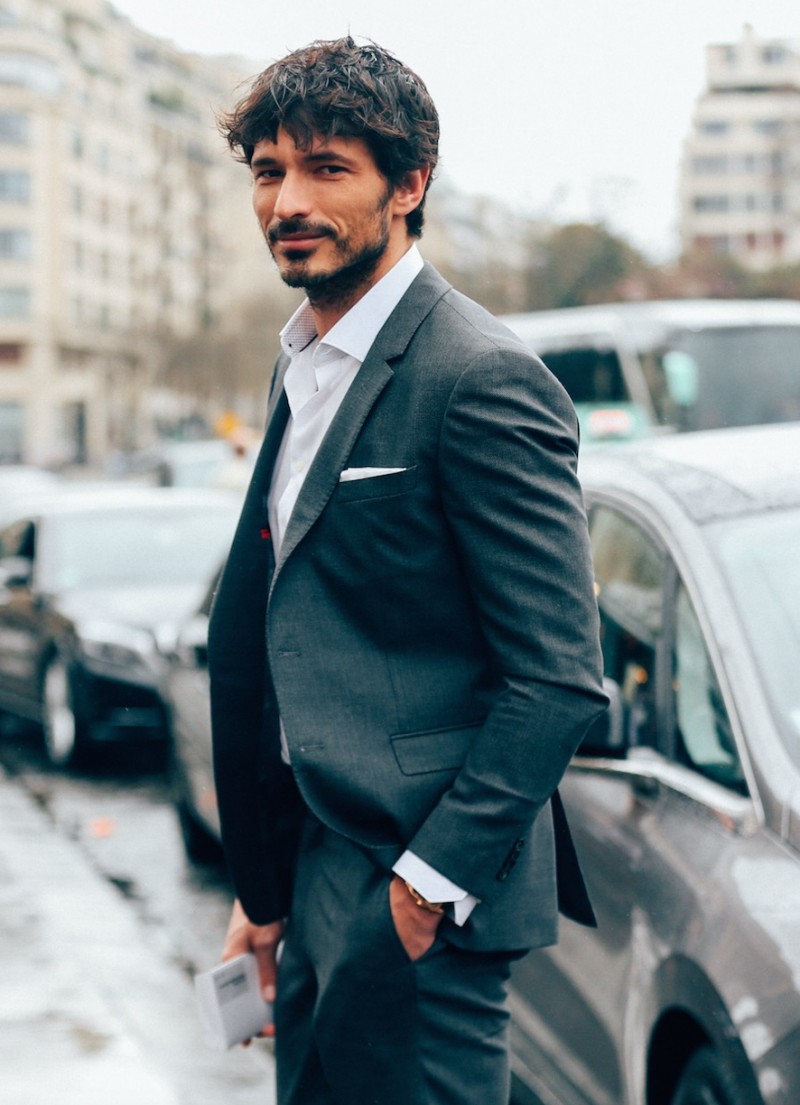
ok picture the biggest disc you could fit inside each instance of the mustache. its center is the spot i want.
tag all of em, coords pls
(287, 227)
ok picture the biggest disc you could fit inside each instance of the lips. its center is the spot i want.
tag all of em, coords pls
(299, 241)
(298, 236)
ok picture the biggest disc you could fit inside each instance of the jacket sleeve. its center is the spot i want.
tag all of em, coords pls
(508, 473)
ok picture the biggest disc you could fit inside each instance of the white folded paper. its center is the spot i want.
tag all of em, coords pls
(230, 1003)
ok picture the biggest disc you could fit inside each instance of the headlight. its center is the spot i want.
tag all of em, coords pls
(115, 645)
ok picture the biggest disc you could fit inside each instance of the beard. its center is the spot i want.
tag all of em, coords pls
(341, 284)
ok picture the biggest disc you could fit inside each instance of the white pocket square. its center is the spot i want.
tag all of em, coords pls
(366, 473)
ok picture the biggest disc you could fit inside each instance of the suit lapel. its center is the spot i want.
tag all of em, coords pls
(371, 379)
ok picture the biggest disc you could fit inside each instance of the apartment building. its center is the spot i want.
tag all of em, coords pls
(740, 175)
(124, 223)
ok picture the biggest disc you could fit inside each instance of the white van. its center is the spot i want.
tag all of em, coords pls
(687, 364)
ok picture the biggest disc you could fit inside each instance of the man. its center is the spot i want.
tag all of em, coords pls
(404, 648)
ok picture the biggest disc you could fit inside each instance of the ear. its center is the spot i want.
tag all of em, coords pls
(409, 192)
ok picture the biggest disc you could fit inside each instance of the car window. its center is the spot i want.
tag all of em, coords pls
(589, 374)
(629, 573)
(703, 736)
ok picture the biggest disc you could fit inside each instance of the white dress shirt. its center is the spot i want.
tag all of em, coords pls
(316, 382)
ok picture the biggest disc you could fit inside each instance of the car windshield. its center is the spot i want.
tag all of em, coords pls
(137, 546)
(742, 376)
(759, 555)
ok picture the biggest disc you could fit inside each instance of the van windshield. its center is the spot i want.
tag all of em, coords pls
(745, 375)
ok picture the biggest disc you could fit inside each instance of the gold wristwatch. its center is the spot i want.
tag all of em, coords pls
(423, 903)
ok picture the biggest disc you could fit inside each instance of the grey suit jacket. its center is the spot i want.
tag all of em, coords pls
(429, 638)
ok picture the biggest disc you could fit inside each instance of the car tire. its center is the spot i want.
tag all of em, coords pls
(706, 1080)
(60, 728)
(200, 846)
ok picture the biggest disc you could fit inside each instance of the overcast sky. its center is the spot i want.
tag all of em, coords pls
(573, 110)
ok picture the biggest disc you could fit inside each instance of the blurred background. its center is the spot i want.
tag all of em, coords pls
(621, 181)
(590, 153)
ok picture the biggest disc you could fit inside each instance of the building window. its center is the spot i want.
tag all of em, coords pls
(15, 245)
(711, 203)
(716, 243)
(703, 165)
(10, 353)
(773, 54)
(714, 126)
(15, 186)
(15, 302)
(30, 71)
(742, 163)
(761, 201)
(768, 126)
(14, 128)
(12, 424)
(76, 143)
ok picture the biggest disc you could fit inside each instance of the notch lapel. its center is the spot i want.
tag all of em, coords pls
(331, 458)
(373, 376)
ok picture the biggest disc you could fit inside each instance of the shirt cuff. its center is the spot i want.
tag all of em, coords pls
(431, 884)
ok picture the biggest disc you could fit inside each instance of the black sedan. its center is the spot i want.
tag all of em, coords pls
(92, 585)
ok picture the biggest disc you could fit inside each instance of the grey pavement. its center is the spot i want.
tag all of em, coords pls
(91, 1011)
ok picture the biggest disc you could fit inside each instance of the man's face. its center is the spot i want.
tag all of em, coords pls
(327, 213)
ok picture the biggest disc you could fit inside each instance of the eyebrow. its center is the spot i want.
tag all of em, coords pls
(326, 153)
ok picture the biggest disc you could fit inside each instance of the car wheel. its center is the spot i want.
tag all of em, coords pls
(59, 723)
(200, 846)
(707, 1081)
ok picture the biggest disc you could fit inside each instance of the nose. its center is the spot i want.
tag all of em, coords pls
(294, 197)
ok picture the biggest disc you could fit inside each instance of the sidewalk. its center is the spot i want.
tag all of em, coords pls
(89, 1013)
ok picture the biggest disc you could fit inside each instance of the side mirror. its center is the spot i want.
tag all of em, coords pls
(15, 571)
(606, 736)
(682, 376)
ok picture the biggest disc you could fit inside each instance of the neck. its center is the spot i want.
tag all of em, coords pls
(331, 301)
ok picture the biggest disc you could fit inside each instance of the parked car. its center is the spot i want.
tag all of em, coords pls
(685, 806)
(92, 584)
(194, 794)
(685, 803)
(634, 368)
(221, 463)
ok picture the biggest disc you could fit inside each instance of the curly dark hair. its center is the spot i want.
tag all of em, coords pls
(334, 88)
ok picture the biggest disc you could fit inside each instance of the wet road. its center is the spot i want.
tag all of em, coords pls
(118, 811)
(119, 816)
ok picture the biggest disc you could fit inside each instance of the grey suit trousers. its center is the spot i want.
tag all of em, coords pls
(357, 1022)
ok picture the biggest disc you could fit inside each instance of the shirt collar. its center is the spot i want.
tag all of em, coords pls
(356, 331)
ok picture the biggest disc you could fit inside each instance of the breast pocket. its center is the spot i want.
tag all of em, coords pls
(377, 487)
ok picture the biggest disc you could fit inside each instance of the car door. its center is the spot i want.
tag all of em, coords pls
(651, 853)
(567, 999)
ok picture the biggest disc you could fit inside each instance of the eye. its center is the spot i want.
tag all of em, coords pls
(267, 174)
